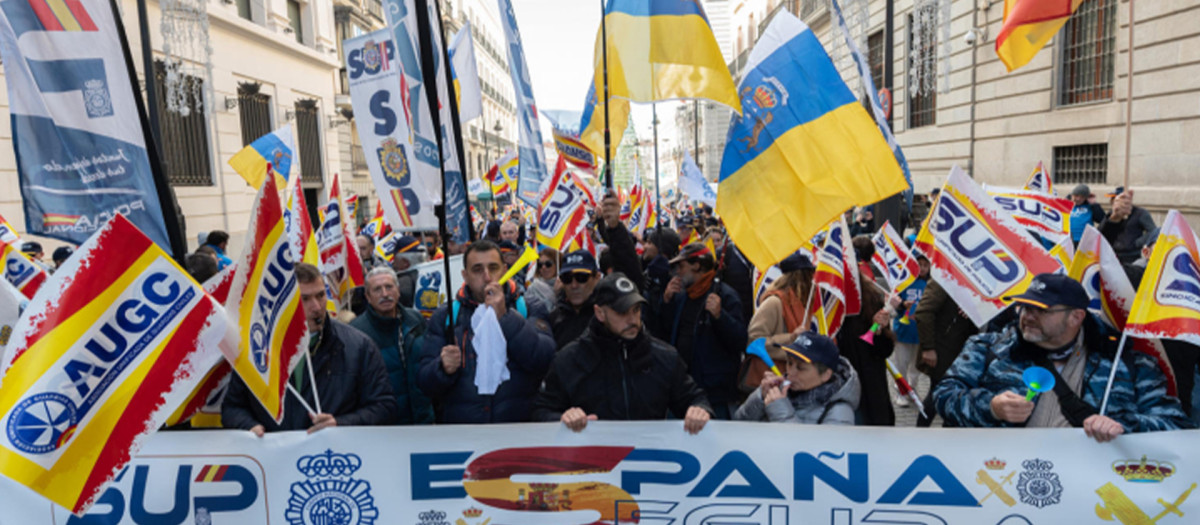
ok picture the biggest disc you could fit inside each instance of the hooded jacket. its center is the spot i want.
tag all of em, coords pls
(994, 362)
(399, 340)
(832, 403)
(618, 379)
(455, 395)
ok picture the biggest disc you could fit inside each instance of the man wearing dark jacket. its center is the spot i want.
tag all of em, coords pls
(349, 371)
(702, 317)
(570, 317)
(448, 358)
(1126, 226)
(398, 332)
(618, 372)
(942, 330)
(620, 242)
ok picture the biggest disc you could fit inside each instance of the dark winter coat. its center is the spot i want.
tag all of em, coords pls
(568, 324)
(399, 341)
(1128, 236)
(717, 345)
(351, 379)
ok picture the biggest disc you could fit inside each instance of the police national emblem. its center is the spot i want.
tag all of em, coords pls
(429, 293)
(330, 496)
(1038, 486)
(372, 58)
(394, 162)
(96, 99)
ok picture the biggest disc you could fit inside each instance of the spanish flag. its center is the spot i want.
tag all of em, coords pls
(1028, 25)
(662, 50)
(803, 151)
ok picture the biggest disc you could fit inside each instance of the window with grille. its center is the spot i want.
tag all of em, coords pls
(922, 107)
(1082, 164)
(875, 62)
(184, 153)
(254, 112)
(308, 137)
(1088, 53)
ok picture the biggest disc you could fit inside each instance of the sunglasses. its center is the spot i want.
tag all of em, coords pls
(545, 264)
(578, 277)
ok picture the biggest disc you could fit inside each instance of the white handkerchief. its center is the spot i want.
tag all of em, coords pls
(491, 350)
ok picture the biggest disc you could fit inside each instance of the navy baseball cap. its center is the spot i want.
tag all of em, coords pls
(62, 253)
(31, 247)
(797, 261)
(812, 347)
(617, 292)
(509, 247)
(406, 244)
(1050, 289)
(578, 261)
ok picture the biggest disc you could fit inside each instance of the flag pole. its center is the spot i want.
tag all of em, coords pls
(1112, 375)
(657, 188)
(455, 125)
(608, 174)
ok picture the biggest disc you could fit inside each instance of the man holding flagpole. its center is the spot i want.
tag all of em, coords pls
(985, 385)
(351, 383)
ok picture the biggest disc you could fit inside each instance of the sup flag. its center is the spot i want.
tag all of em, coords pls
(21, 272)
(899, 266)
(570, 148)
(76, 125)
(8, 234)
(1167, 305)
(264, 305)
(98, 364)
(1096, 267)
(1040, 213)
(977, 251)
(563, 213)
(339, 254)
(1040, 180)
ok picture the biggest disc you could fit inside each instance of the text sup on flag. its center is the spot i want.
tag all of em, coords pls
(989, 265)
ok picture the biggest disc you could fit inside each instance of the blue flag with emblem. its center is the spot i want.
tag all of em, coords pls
(803, 151)
(529, 143)
(80, 146)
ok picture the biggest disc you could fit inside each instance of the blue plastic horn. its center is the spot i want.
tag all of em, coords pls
(758, 348)
(1038, 380)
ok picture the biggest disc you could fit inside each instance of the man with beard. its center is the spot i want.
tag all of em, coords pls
(984, 386)
(618, 372)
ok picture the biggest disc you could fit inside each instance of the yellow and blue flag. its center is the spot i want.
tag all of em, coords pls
(662, 50)
(591, 123)
(93, 368)
(804, 150)
(276, 149)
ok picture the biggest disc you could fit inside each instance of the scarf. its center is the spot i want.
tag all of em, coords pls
(702, 285)
(793, 308)
(819, 395)
(1049, 413)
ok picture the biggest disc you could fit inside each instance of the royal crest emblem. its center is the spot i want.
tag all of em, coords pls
(330, 496)
(1038, 486)
(97, 99)
(394, 162)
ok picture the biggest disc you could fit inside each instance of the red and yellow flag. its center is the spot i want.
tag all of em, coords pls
(562, 216)
(20, 270)
(100, 363)
(1167, 305)
(1028, 26)
(264, 305)
(203, 405)
(8, 234)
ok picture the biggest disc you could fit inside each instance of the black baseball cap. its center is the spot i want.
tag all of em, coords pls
(578, 261)
(812, 347)
(797, 261)
(1049, 289)
(31, 247)
(617, 292)
(62, 253)
(694, 250)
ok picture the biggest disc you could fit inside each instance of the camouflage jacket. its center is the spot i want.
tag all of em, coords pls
(993, 362)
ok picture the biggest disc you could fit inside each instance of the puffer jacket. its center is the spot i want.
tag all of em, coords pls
(1139, 399)
(832, 403)
(456, 397)
(399, 340)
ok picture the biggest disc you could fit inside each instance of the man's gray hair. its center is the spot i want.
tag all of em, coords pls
(413, 258)
(383, 270)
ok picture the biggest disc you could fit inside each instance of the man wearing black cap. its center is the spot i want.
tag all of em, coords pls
(984, 387)
(570, 318)
(616, 371)
(1084, 212)
(33, 250)
(61, 254)
(702, 318)
(1126, 226)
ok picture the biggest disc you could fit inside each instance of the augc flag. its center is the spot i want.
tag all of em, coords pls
(1040, 180)
(98, 361)
(20, 271)
(978, 252)
(899, 266)
(264, 304)
(1096, 267)
(803, 151)
(1167, 305)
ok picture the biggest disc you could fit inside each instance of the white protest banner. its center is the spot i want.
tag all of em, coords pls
(431, 291)
(743, 473)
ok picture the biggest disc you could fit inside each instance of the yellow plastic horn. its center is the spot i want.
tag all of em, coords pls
(528, 256)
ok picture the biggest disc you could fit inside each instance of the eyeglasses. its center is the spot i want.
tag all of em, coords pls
(545, 264)
(578, 277)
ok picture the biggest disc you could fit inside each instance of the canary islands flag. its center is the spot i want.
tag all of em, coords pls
(1167, 305)
(94, 367)
(803, 151)
(274, 150)
(662, 50)
(264, 304)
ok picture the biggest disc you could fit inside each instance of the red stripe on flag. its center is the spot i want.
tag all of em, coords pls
(203, 474)
(42, 9)
(81, 15)
(221, 473)
(148, 398)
